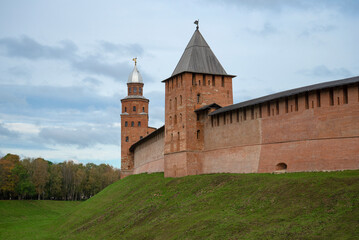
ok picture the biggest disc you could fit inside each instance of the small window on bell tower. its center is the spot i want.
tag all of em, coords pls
(143, 109)
(140, 90)
(134, 90)
(134, 108)
(129, 90)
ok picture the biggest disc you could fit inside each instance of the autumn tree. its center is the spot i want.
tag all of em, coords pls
(40, 176)
(54, 185)
(23, 186)
(28, 178)
(7, 179)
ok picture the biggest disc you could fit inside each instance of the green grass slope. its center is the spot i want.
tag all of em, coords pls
(31, 219)
(321, 205)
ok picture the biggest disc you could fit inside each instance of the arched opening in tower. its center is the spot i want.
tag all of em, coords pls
(281, 167)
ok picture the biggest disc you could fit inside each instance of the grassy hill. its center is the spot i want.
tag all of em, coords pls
(219, 206)
(31, 219)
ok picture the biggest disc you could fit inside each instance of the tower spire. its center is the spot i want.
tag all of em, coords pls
(197, 23)
(135, 60)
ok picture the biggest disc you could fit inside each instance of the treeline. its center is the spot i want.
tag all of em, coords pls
(40, 179)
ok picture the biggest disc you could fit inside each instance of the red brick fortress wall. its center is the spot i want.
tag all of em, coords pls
(314, 131)
(148, 156)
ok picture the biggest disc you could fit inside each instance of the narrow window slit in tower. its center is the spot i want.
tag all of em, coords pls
(331, 97)
(277, 107)
(204, 79)
(222, 81)
(198, 132)
(306, 100)
(244, 114)
(345, 95)
(286, 105)
(252, 113)
(193, 79)
(213, 81)
(318, 98)
(296, 102)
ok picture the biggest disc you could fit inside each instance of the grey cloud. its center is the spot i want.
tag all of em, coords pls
(84, 136)
(94, 65)
(348, 6)
(317, 29)
(266, 30)
(28, 48)
(134, 50)
(50, 97)
(323, 71)
(97, 64)
(4, 132)
(92, 81)
(19, 71)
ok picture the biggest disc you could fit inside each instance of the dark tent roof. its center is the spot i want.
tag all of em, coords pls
(199, 58)
(288, 93)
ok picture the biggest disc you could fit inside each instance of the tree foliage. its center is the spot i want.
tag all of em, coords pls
(37, 178)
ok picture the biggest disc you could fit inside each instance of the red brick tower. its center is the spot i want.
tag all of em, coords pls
(197, 81)
(134, 119)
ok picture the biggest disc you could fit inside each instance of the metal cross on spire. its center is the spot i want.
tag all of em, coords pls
(197, 23)
(135, 60)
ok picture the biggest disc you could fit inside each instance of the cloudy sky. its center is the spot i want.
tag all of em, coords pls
(64, 64)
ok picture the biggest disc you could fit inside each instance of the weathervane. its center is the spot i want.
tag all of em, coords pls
(135, 60)
(196, 22)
